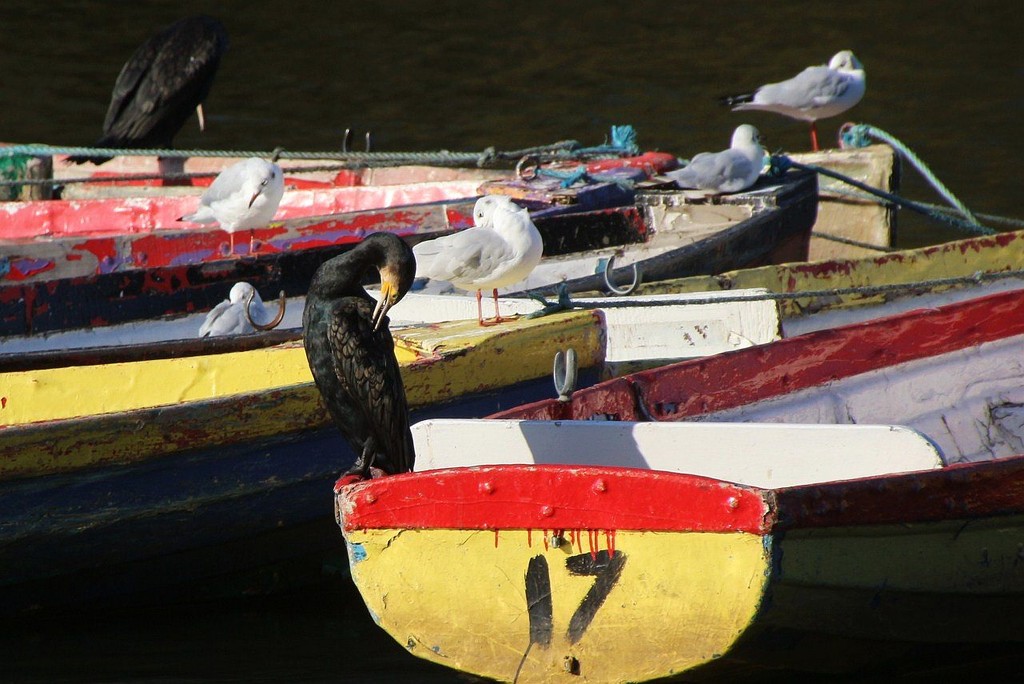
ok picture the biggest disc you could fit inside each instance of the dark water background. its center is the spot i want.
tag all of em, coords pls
(945, 77)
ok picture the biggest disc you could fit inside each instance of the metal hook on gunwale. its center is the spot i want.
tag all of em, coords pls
(527, 167)
(565, 372)
(346, 142)
(627, 290)
(272, 324)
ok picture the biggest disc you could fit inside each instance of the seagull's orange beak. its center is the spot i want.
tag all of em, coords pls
(254, 196)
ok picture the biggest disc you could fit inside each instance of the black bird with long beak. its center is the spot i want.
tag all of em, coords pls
(161, 84)
(352, 355)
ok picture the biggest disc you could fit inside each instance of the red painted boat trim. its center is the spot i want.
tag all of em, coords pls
(959, 492)
(695, 387)
(114, 252)
(552, 498)
(90, 218)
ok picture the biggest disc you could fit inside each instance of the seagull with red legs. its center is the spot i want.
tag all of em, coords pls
(501, 249)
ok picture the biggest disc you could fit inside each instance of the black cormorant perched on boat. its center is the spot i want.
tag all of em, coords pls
(351, 353)
(167, 78)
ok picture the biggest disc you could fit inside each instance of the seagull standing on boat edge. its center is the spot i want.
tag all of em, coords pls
(351, 352)
(731, 170)
(160, 85)
(502, 248)
(244, 196)
(817, 92)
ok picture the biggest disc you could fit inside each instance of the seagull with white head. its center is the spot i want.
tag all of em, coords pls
(817, 92)
(731, 170)
(244, 196)
(501, 249)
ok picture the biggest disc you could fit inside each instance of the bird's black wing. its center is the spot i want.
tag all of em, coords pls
(366, 367)
(163, 82)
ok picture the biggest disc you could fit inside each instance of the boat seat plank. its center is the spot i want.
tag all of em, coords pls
(768, 455)
(636, 332)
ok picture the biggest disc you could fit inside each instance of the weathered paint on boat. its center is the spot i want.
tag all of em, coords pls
(108, 298)
(543, 570)
(841, 215)
(681, 233)
(493, 563)
(695, 387)
(302, 174)
(50, 239)
(100, 252)
(146, 175)
(63, 418)
(902, 560)
(956, 259)
(142, 215)
(129, 505)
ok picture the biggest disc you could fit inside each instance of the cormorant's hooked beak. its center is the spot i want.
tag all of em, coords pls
(388, 298)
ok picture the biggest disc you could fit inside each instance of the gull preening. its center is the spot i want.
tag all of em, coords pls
(243, 196)
(731, 170)
(502, 248)
(161, 84)
(229, 317)
(817, 92)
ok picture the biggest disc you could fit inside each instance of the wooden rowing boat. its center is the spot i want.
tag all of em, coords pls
(126, 471)
(671, 233)
(869, 224)
(51, 239)
(772, 225)
(824, 294)
(844, 498)
(150, 274)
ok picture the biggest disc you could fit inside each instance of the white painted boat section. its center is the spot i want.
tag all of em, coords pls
(654, 327)
(638, 328)
(136, 332)
(759, 454)
(969, 402)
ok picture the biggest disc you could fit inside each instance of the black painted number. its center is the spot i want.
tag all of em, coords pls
(605, 568)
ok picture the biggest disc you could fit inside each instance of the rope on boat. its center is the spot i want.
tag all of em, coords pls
(1015, 223)
(782, 162)
(865, 290)
(853, 243)
(860, 135)
(622, 142)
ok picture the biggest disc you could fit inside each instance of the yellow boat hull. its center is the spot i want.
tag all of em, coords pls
(693, 592)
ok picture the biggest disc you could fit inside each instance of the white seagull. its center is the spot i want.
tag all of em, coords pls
(731, 170)
(502, 248)
(228, 317)
(817, 92)
(243, 196)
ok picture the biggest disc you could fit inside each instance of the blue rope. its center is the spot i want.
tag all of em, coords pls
(568, 178)
(782, 162)
(861, 135)
(623, 142)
